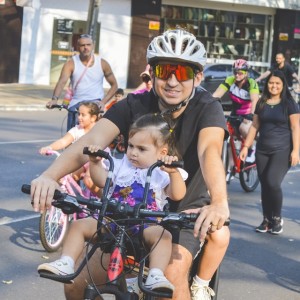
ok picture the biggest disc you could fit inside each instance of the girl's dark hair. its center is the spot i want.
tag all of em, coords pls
(161, 132)
(93, 107)
(285, 94)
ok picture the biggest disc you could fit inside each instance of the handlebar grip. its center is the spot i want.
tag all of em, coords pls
(100, 153)
(174, 164)
(26, 190)
(59, 106)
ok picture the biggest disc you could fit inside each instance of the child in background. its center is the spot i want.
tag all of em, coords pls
(119, 95)
(150, 139)
(88, 115)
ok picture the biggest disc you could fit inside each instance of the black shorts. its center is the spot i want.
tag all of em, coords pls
(186, 239)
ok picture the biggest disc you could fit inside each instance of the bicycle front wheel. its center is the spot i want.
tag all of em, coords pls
(248, 177)
(53, 228)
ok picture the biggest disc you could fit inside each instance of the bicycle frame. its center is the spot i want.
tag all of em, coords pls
(232, 135)
(246, 170)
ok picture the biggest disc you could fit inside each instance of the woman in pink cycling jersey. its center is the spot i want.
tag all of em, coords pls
(243, 92)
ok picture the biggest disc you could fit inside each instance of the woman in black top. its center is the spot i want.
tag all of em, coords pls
(276, 118)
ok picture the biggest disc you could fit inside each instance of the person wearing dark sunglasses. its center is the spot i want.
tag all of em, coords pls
(176, 60)
(243, 92)
(86, 73)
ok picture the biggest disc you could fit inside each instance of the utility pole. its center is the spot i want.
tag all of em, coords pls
(93, 13)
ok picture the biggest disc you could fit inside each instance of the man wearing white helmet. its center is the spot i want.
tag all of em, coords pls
(176, 59)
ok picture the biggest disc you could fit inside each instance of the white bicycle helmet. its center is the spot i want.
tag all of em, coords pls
(177, 45)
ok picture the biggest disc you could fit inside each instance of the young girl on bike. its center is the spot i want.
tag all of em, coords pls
(88, 115)
(150, 139)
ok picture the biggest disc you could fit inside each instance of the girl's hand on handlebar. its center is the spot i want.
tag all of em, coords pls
(168, 159)
(43, 150)
(42, 192)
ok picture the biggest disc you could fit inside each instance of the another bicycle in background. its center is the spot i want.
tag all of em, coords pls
(247, 170)
(54, 224)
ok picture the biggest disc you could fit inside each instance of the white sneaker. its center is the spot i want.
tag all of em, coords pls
(158, 283)
(201, 292)
(58, 267)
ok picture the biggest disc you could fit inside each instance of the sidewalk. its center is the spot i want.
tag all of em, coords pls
(14, 96)
(20, 97)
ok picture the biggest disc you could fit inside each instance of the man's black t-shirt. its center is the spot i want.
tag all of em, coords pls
(287, 70)
(201, 112)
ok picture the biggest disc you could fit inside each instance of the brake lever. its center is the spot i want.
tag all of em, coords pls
(68, 205)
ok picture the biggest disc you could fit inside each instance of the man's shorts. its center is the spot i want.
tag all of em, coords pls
(185, 238)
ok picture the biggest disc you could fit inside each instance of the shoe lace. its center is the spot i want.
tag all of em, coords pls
(204, 291)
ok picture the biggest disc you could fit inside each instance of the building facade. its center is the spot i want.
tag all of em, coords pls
(49, 29)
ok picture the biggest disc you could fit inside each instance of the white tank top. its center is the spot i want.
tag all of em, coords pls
(90, 86)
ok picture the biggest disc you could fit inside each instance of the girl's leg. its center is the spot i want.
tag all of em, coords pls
(159, 241)
(93, 273)
(80, 232)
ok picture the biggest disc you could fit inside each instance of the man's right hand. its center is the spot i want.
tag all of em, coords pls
(42, 191)
(50, 103)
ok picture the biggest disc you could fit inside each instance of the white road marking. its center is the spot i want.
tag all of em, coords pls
(26, 142)
(6, 220)
(294, 170)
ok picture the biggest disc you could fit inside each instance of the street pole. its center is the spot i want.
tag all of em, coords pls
(93, 13)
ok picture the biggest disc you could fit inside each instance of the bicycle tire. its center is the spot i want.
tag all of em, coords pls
(248, 177)
(53, 227)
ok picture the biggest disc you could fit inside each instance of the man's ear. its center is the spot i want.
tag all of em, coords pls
(198, 79)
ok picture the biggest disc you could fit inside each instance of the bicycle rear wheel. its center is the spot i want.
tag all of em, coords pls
(53, 227)
(248, 177)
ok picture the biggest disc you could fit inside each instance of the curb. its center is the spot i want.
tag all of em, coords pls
(30, 107)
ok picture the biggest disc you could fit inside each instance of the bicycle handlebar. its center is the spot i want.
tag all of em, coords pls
(59, 106)
(71, 204)
(239, 118)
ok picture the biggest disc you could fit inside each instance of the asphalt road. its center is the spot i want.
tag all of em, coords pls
(256, 266)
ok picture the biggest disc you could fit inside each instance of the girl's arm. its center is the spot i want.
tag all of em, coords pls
(176, 189)
(250, 137)
(97, 171)
(294, 124)
(60, 144)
